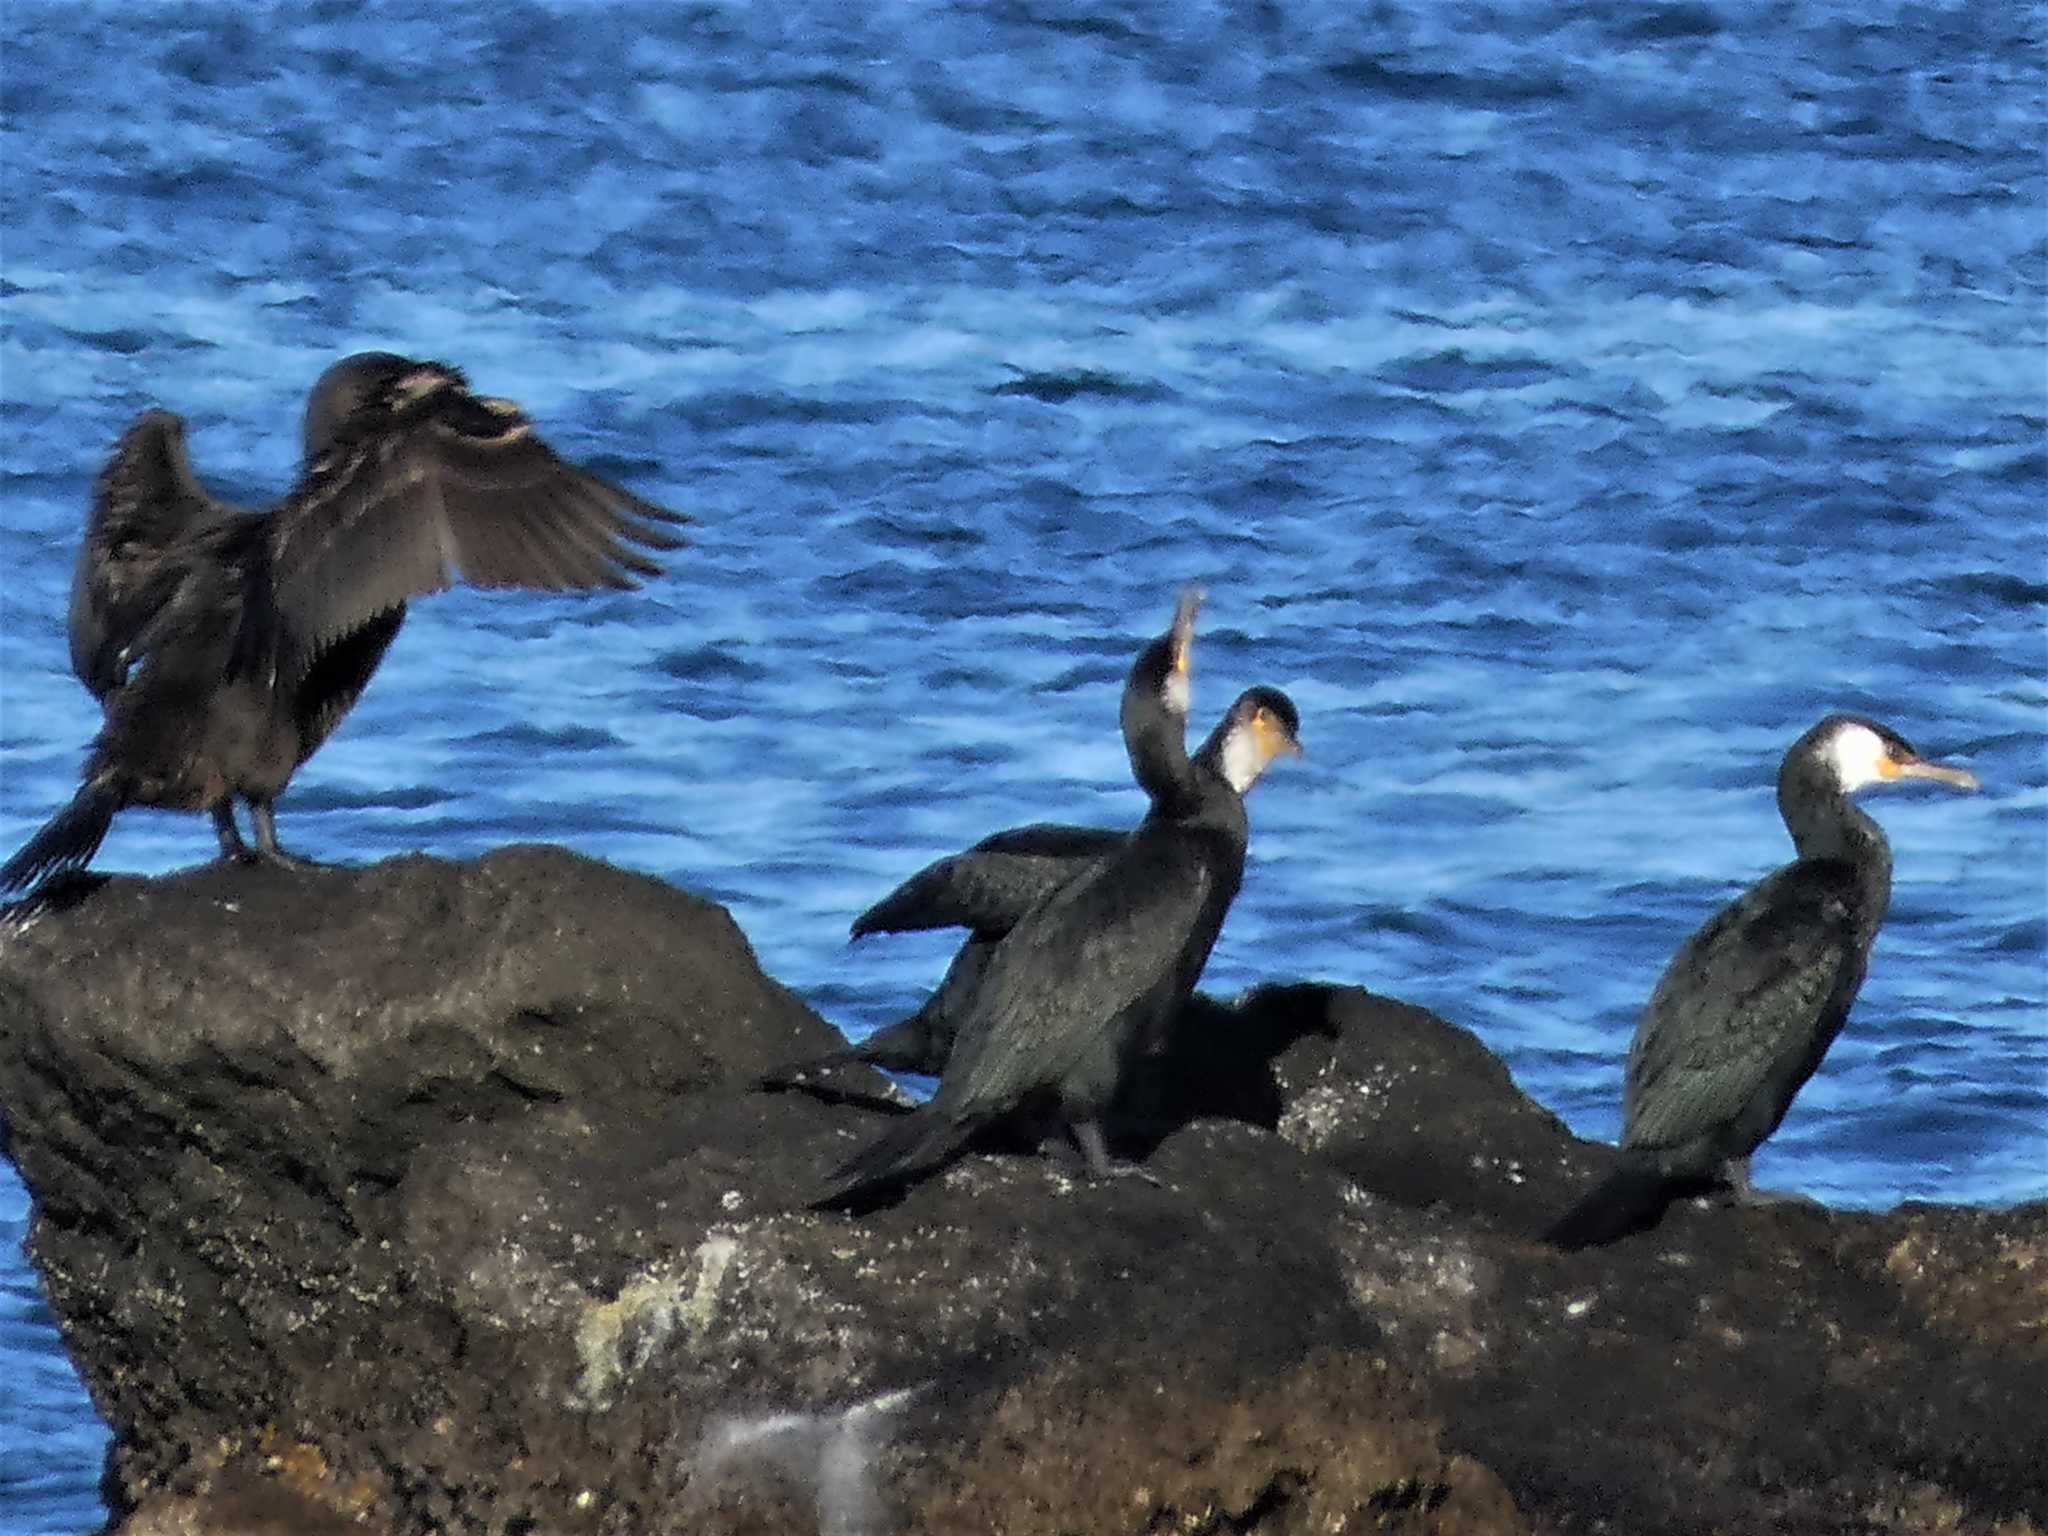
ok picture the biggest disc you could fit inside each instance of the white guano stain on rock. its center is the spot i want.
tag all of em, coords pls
(615, 1339)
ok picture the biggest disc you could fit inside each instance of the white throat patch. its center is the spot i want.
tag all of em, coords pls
(1243, 761)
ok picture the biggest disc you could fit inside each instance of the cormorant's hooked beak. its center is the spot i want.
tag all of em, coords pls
(1179, 687)
(1940, 773)
(1274, 738)
(1184, 612)
(1892, 769)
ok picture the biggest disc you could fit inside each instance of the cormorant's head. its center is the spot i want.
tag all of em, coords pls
(1263, 724)
(1155, 704)
(1180, 643)
(1162, 670)
(382, 379)
(1850, 752)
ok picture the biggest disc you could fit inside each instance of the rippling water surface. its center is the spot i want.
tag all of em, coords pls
(1566, 404)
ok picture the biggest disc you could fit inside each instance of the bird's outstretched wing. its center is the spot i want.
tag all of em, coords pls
(990, 886)
(427, 484)
(1753, 998)
(148, 508)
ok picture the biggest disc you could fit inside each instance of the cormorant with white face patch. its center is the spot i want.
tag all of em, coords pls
(225, 646)
(1080, 985)
(1751, 1002)
(987, 889)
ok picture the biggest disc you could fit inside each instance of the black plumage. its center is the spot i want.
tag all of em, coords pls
(991, 885)
(1073, 992)
(225, 646)
(988, 888)
(1751, 1002)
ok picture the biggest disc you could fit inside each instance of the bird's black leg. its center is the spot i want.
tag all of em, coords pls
(232, 847)
(1096, 1159)
(264, 820)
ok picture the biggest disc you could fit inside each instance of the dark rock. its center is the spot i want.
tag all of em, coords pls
(438, 1197)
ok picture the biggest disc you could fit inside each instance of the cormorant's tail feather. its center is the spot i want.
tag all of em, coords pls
(1630, 1199)
(910, 1146)
(896, 914)
(68, 839)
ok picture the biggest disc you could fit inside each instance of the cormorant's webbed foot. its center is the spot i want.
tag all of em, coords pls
(1746, 1193)
(277, 858)
(1095, 1156)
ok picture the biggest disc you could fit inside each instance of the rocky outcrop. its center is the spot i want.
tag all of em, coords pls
(439, 1197)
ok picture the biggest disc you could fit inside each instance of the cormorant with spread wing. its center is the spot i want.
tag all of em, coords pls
(225, 646)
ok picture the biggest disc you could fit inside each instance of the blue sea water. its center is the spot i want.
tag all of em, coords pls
(1567, 404)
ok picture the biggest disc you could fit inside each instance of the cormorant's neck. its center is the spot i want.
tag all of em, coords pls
(1826, 824)
(1154, 718)
(1155, 738)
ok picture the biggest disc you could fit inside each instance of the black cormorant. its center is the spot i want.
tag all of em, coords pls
(988, 888)
(1750, 1003)
(1080, 984)
(225, 646)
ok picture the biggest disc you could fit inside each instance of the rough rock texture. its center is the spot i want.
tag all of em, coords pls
(438, 1197)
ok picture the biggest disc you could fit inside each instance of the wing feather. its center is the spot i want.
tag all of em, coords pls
(1104, 944)
(1746, 999)
(362, 533)
(427, 484)
(148, 508)
(525, 550)
(486, 456)
(991, 886)
(583, 532)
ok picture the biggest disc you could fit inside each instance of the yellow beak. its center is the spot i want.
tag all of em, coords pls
(1274, 738)
(1184, 612)
(1918, 768)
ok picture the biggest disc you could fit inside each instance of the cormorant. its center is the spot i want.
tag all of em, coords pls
(225, 646)
(1751, 1002)
(1072, 995)
(989, 887)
